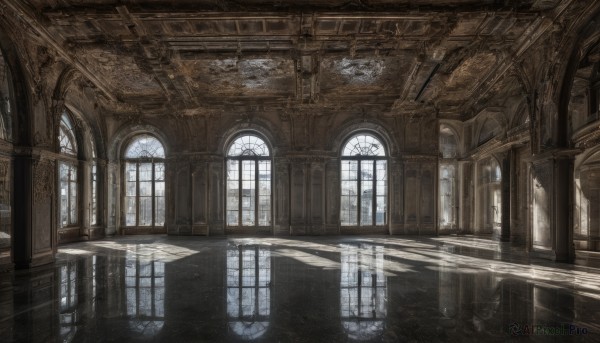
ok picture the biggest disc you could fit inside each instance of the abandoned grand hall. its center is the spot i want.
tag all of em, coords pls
(299, 171)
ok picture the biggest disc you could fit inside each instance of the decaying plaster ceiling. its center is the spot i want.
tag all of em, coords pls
(193, 56)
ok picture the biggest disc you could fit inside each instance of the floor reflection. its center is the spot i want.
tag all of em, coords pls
(68, 302)
(248, 293)
(132, 289)
(363, 291)
(145, 291)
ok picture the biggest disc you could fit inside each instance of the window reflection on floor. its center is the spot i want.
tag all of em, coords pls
(68, 302)
(145, 289)
(363, 291)
(248, 293)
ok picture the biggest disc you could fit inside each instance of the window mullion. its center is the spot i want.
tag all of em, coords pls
(240, 192)
(137, 193)
(374, 194)
(68, 195)
(152, 195)
(256, 192)
(359, 193)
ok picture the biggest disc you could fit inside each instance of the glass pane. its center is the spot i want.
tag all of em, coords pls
(366, 203)
(264, 210)
(130, 189)
(145, 172)
(145, 146)
(159, 188)
(145, 211)
(159, 171)
(160, 210)
(233, 218)
(146, 188)
(131, 171)
(248, 193)
(73, 202)
(130, 211)
(381, 210)
(381, 170)
(264, 170)
(233, 170)
(349, 170)
(348, 212)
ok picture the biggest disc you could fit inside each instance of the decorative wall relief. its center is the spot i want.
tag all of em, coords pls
(43, 179)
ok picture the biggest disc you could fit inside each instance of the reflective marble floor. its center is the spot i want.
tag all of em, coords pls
(330, 289)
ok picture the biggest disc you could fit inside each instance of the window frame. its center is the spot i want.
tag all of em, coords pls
(360, 159)
(137, 161)
(256, 159)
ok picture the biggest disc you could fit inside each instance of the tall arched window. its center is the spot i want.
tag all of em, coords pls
(144, 182)
(363, 182)
(248, 182)
(68, 173)
(6, 108)
(94, 186)
(447, 178)
(490, 196)
(6, 114)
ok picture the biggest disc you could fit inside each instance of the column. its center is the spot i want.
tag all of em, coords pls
(35, 208)
(507, 169)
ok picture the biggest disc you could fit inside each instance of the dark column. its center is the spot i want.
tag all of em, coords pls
(505, 185)
(552, 193)
(35, 224)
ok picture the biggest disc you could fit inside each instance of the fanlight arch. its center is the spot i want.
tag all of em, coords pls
(145, 146)
(66, 136)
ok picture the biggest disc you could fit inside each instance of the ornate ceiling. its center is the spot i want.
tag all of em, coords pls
(192, 56)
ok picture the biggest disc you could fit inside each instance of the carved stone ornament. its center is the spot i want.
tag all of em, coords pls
(43, 179)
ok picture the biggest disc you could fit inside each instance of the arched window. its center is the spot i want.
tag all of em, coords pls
(447, 178)
(144, 182)
(490, 196)
(68, 173)
(94, 186)
(363, 182)
(6, 114)
(6, 108)
(248, 182)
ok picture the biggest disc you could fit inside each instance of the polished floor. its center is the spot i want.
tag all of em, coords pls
(330, 289)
